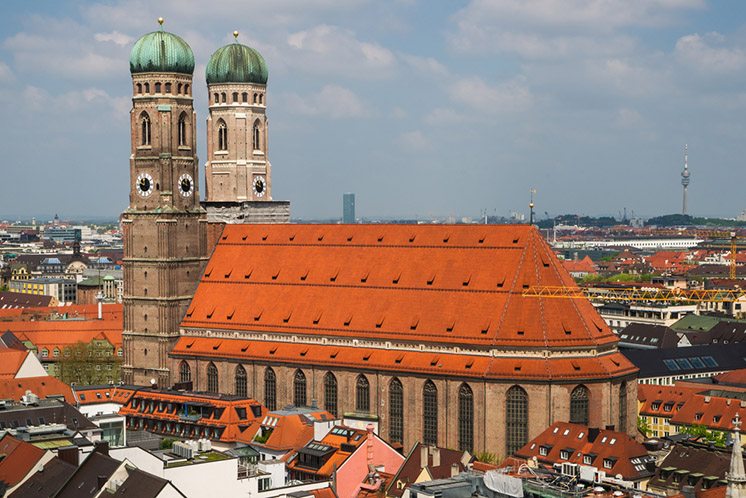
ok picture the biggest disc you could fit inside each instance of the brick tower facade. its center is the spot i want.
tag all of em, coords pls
(164, 226)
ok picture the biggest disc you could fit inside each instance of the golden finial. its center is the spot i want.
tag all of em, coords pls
(235, 35)
(160, 21)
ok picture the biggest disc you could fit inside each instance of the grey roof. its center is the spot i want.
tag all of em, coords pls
(647, 336)
(84, 482)
(46, 483)
(687, 360)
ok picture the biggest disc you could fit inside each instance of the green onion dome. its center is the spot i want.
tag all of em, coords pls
(161, 52)
(236, 63)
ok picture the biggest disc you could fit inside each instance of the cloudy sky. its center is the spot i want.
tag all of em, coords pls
(420, 107)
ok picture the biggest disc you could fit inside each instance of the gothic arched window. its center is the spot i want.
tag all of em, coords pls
(217, 98)
(430, 413)
(257, 138)
(182, 129)
(185, 373)
(465, 418)
(168, 87)
(516, 419)
(186, 89)
(139, 88)
(223, 98)
(245, 97)
(212, 378)
(255, 98)
(623, 407)
(396, 411)
(579, 405)
(330, 393)
(235, 97)
(178, 88)
(241, 384)
(144, 129)
(362, 394)
(157, 87)
(299, 388)
(147, 87)
(270, 389)
(222, 135)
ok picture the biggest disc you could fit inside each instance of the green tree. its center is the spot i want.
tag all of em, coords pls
(89, 363)
(642, 426)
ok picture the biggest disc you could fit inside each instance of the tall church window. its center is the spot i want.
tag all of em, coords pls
(182, 129)
(186, 89)
(158, 87)
(257, 137)
(465, 418)
(222, 136)
(396, 411)
(144, 129)
(299, 388)
(222, 97)
(168, 87)
(178, 88)
(579, 405)
(430, 413)
(241, 384)
(245, 97)
(147, 87)
(330, 393)
(255, 98)
(516, 419)
(261, 98)
(139, 88)
(185, 373)
(623, 407)
(235, 97)
(217, 98)
(270, 389)
(212, 378)
(362, 394)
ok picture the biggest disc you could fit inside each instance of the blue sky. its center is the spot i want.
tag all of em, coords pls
(420, 107)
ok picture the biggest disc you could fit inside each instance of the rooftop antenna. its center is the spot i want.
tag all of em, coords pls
(532, 192)
(685, 178)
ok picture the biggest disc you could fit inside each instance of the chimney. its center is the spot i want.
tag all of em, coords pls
(101, 480)
(68, 454)
(436, 456)
(454, 469)
(593, 434)
(101, 447)
(370, 427)
(688, 491)
(100, 299)
(423, 456)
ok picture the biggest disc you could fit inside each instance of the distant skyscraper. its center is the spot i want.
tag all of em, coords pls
(685, 178)
(348, 208)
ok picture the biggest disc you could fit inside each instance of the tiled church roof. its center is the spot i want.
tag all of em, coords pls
(441, 285)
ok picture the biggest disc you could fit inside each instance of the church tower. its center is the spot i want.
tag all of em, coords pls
(164, 226)
(238, 174)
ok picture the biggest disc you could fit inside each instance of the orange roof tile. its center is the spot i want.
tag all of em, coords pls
(41, 386)
(664, 401)
(90, 395)
(398, 283)
(19, 458)
(288, 432)
(711, 411)
(10, 361)
(62, 333)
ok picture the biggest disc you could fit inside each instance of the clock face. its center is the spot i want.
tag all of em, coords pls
(260, 186)
(144, 185)
(186, 185)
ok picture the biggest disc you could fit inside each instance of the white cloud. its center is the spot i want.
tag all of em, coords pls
(114, 37)
(5, 72)
(509, 96)
(414, 140)
(332, 101)
(442, 116)
(427, 65)
(628, 118)
(333, 50)
(708, 54)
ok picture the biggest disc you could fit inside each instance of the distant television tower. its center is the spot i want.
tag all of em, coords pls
(685, 177)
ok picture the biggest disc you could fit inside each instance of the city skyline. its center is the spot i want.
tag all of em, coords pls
(585, 101)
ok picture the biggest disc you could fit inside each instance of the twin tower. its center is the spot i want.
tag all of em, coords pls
(168, 233)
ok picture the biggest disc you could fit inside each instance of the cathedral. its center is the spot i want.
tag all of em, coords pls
(426, 330)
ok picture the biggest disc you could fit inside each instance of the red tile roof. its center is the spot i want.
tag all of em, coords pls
(91, 395)
(63, 333)
(287, 432)
(664, 401)
(41, 386)
(572, 443)
(398, 283)
(711, 410)
(20, 458)
(585, 265)
(10, 361)
(335, 441)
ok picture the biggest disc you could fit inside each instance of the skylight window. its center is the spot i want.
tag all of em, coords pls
(709, 361)
(671, 365)
(684, 363)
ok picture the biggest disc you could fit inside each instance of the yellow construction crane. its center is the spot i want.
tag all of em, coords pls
(635, 294)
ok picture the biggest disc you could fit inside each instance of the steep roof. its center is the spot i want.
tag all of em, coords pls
(63, 333)
(403, 283)
(688, 360)
(700, 463)
(43, 387)
(21, 300)
(18, 459)
(85, 480)
(664, 401)
(288, 431)
(437, 467)
(712, 408)
(48, 482)
(11, 361)
(574, 443)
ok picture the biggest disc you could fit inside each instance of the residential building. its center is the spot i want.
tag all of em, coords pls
(701, 466)
(101, 405)
(580, 268)
(619, 315)
(427, 463)
(61, 289)
(20, 460)
(593, 451)
(646, 336)
(9, 300)
(659, 403)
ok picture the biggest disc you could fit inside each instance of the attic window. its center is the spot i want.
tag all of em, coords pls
(380, 238)
(544, 260)
(431, 279)
(304, 352)
(379, 322)
(275, 275)
(229, 316)
(228, 273)
(364, 277)
(520, 332)
(334, 354)
(208, 272)
(481, 239)
(366, 356)
(225, 237)
(216, 346)
(449, 328)
(446, 237)
(486, 326)
(414, 323)
(291, 237)
(258, 315)
(434, 361)
(264, 236)
(244, 236)
(348, 320)
(248, 273)
(190, 311)
(273, 350)
(615, 362)
(399, 359)
(349, 238)
(189, 346)
(286, 318)
(209, 315)
(333, 278)
(566, 328)
(575, 365)
(515, 240)
(243, 349)
(470, 364)
(412, 237)
(321, 237)
(304, 276)
(517, 368)
(467, 280)
(501, 281)
(317, 318)
(395, 280)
